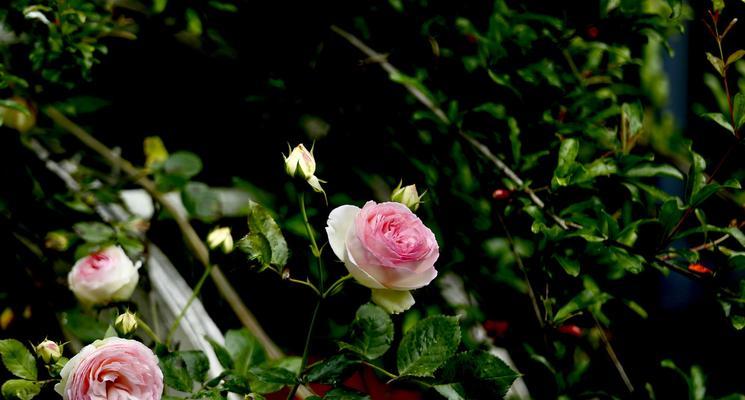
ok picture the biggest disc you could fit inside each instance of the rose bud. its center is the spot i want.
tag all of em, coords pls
(49, 351)
(501, 194)
(407, 196)
(220, 237)
(22, 121)
(125, 324)
(57, 240)
(570, 329)
(104, 276)
(386, 248)
(698, 268)
(300, 163)
(112, 368)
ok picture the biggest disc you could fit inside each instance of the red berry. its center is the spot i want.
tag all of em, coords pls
(593, 32)
(496, 328)
(501, 194)
(571, 329)
(700, 269)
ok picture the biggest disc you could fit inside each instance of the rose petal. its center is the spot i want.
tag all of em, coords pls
(341, 219)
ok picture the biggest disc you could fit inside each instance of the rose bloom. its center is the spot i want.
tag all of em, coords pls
(104, 276)
(385, 247)
(113, 369)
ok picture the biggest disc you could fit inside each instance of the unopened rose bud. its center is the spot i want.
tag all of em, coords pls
(49, 351)
(220, 237)
(407, 196)
(57, 240)
(501, 194)
(125, 324)
(300, 163)
(18, 114)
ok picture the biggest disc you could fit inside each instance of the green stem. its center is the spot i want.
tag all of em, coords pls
(145, 327)
(193, 296)
(381, 370)
(306, 283)
(336, 284)
(313, 245)
(306, 349)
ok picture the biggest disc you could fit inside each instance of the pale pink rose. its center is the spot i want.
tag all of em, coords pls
(384, 246)
(112, 369)
(104, 276)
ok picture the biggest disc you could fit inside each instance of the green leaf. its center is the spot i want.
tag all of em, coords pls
(739, 110)
(704, 193)
(634, 113)
(236, 383)
(18, 359)
(721, 120)
(737, 234)
(480, 374)
(20, 389)
(201, 201)
(175, 373)
(183, 164)
(735, 56)
(567, 155)
(83, 326)
(332, 370)
(453, 391)
(670, 213)
(652, 170)
(371, 332)
(94, 232)
(226, 360)
(570, 265)
(257, 248)
(269, 379)
(260, 221)
(428, 345)
(197, 364)
(345, 394)
(718, 5)
(244, 349)
(586, 299)
(716, 62)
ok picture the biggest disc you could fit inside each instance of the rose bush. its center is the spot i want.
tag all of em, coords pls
(386, 248)
(104, 276)
(113, 368)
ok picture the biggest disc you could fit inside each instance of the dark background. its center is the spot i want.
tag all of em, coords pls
(232, 110)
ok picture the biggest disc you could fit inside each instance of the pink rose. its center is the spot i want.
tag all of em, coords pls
(385, 247)
(113, 368)
(104, 276)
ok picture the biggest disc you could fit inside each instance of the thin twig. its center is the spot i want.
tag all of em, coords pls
(613, 356)
(191, 237)
(519, 260)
